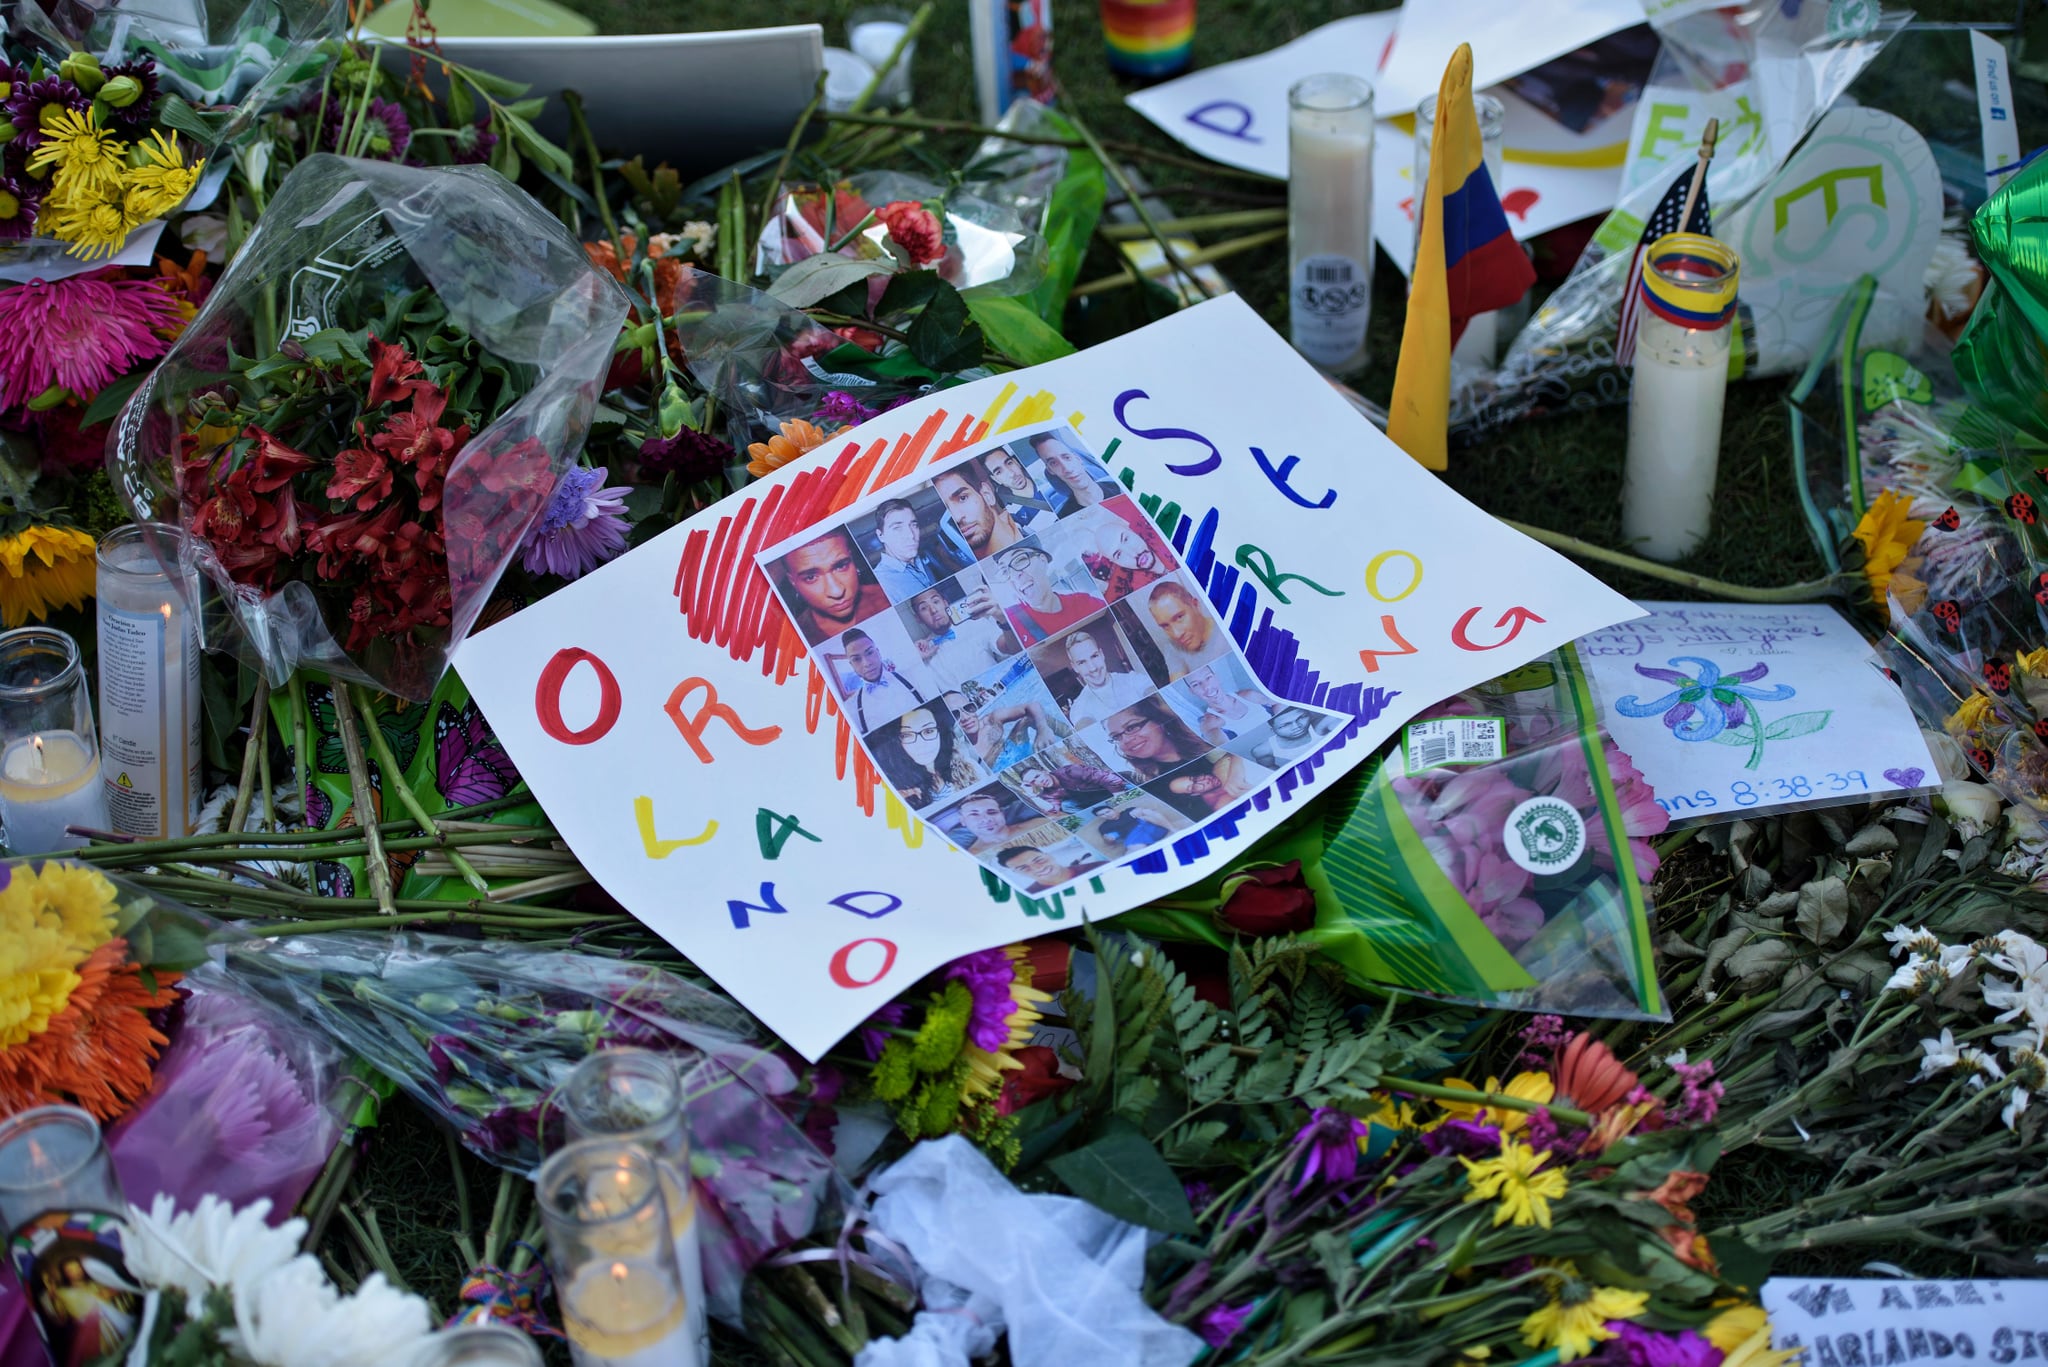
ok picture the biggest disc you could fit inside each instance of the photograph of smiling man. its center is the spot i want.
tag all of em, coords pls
(1014, 471)
(902, 543)
(1034, 590)
(877, 673)
(1092, 671)
(829, 586)
(991, 818)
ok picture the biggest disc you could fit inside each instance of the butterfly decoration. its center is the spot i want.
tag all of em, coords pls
(319, 806)
(321, 816)
(470, 763)
(401, 732)
(333, 880)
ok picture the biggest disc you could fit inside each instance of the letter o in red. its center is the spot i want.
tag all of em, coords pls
(844, 978)
(547, 697)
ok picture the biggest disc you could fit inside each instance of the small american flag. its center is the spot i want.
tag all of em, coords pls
(1662, 222)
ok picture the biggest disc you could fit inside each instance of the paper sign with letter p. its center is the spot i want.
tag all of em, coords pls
(1048, 645)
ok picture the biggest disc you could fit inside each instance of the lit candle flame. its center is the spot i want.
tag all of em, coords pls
(37, 743)
(618, 1272)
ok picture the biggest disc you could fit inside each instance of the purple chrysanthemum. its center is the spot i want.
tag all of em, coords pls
(135, 119)
(873, 1034)
(26, 101)
(19, 199)
(1635, 1346)
(1466, 1138)
(472, 145)
(989, 976)
(842, 408)
(1221, 1323)
(1331, 1139)
(582, 528)
(390, 132)
(690, 455)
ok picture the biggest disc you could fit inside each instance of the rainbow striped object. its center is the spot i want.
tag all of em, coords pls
(1703, 296)
(1149, 38)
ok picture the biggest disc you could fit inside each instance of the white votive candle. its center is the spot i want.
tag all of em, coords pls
(626, 1313)
(1680, 383)
(49, 782)
(873, 35)
(1329, 220)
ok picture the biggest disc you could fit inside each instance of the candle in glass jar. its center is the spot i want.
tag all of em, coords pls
(149, 681)
(49, 756)
(873, 33)
(1329, 220)
(1679, 385)
(478, 1345)
(625, 1313)
(612, 1251)
(61, 1211)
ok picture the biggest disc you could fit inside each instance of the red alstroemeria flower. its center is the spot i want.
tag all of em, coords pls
(272, 464)
(360, 474)
(277, 521)
(392, 373)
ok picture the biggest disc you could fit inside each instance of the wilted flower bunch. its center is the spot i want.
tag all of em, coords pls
(80, 158)
(2012, 989)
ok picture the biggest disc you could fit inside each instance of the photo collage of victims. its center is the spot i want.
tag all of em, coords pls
(1030, 666)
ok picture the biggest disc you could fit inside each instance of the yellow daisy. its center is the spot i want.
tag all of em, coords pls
(43, 568)
(85, 155)
(1513, 1179)
(2033, 662)
(1536, 1087)
(50, 920)
(160, 180)
(1886, 533)
(1743, 1335)
(1577, 1315)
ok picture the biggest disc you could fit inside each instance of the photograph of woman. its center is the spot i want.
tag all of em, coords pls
(922, 756)
(1220, 781)
(1151, 740)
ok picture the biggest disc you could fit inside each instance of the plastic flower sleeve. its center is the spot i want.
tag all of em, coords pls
(983, 245)
(1497, 855)
(347, 249)
(247, 1105)
(481, 1035)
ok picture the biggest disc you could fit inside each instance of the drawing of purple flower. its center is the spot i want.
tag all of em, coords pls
(1720, 708)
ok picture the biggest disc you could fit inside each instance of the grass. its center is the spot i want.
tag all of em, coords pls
(1560, 472)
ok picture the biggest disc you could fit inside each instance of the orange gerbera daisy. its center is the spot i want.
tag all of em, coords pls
(670, 274)
(98, 1050)
(798, 438)
(1589, 1076)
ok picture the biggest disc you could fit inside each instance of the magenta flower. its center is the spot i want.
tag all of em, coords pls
(989, 976)
(1467, 1138)
(81, 333)
(582, 528)
(690, 455)
(1331, 1138)
(873, 1033)
(473, 143)
(134, 120)
(842, 408)
(1636, 1346)
(1700, 1100)
(27, 100)
(1221, 1323)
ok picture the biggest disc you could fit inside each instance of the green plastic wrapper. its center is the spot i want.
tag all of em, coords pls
(2001, 356)
(1498, 854)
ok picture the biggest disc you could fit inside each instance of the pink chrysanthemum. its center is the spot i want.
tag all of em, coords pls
(81, 333)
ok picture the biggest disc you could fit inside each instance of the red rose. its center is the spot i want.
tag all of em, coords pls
(913, 228)
(1270, 901)
(1039, 1078)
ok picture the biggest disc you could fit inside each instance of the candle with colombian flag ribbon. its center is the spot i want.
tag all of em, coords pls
(1149, 39)
(1675, 399)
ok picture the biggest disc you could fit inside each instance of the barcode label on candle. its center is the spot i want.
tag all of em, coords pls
(1331, 304)
(1452, 740)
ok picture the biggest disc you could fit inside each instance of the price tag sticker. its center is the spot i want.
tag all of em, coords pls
(1453, 740)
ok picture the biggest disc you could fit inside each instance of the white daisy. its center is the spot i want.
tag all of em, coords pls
(213, 1244)
(2015, 1106)
(2020, 956)
(1938, 1055)
(1979, 1065)
(293, 1318)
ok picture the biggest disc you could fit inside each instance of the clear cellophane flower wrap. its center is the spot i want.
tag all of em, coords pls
(317, 563)
(982, 245)
(1415, 886)
(482, 1035)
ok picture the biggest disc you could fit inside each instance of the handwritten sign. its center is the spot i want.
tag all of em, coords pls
(698, 737)
(1236, 113)
(1742, 709)
(1862, 1322)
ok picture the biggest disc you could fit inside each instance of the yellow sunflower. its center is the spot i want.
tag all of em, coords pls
(42, 568)
(1886, 533)
(1577, 1315)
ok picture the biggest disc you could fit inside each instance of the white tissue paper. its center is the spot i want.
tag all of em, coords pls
(1061, 1276)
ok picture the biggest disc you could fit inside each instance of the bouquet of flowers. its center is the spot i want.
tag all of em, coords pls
(91, 968)
(356, 450)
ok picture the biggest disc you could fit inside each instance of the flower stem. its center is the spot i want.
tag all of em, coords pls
(1564, 1114)
(359, 784)
(1123, 181)
(395, 777)
(1199, 257)
(796, 134)
(911, 31)
(1208, 170)
(580, 129)
(259, 730)
(1808, 591)
(1199, 223)
(299, 712)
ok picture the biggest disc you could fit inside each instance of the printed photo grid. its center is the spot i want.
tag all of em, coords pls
(1029, 665)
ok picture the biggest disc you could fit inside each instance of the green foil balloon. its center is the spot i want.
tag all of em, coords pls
(2000, 356)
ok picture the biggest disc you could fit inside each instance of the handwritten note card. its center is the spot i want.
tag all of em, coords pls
(1047, 645)
(1863, 1322)
(1741, 709)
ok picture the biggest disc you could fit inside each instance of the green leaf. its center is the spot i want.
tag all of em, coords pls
(107, 404)
(817, 277)
(180, 117)
(1099, 1069)
(944, 337)
(1016, 331)
(1740, 735)
(1798, 724)
(907, 290)
(1072, 212)
(528, 109)
(1122, 1173)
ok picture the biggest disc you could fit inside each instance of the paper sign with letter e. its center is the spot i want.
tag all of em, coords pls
(1048, 645)
(1867, 1322)
(1743, 709)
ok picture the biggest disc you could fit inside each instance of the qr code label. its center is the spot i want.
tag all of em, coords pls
(1453, 740)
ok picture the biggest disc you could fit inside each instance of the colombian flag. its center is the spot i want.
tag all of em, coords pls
(1466, 263)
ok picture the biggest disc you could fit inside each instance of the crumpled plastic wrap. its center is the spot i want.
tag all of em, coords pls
(1062, 1277)
(339, 241)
